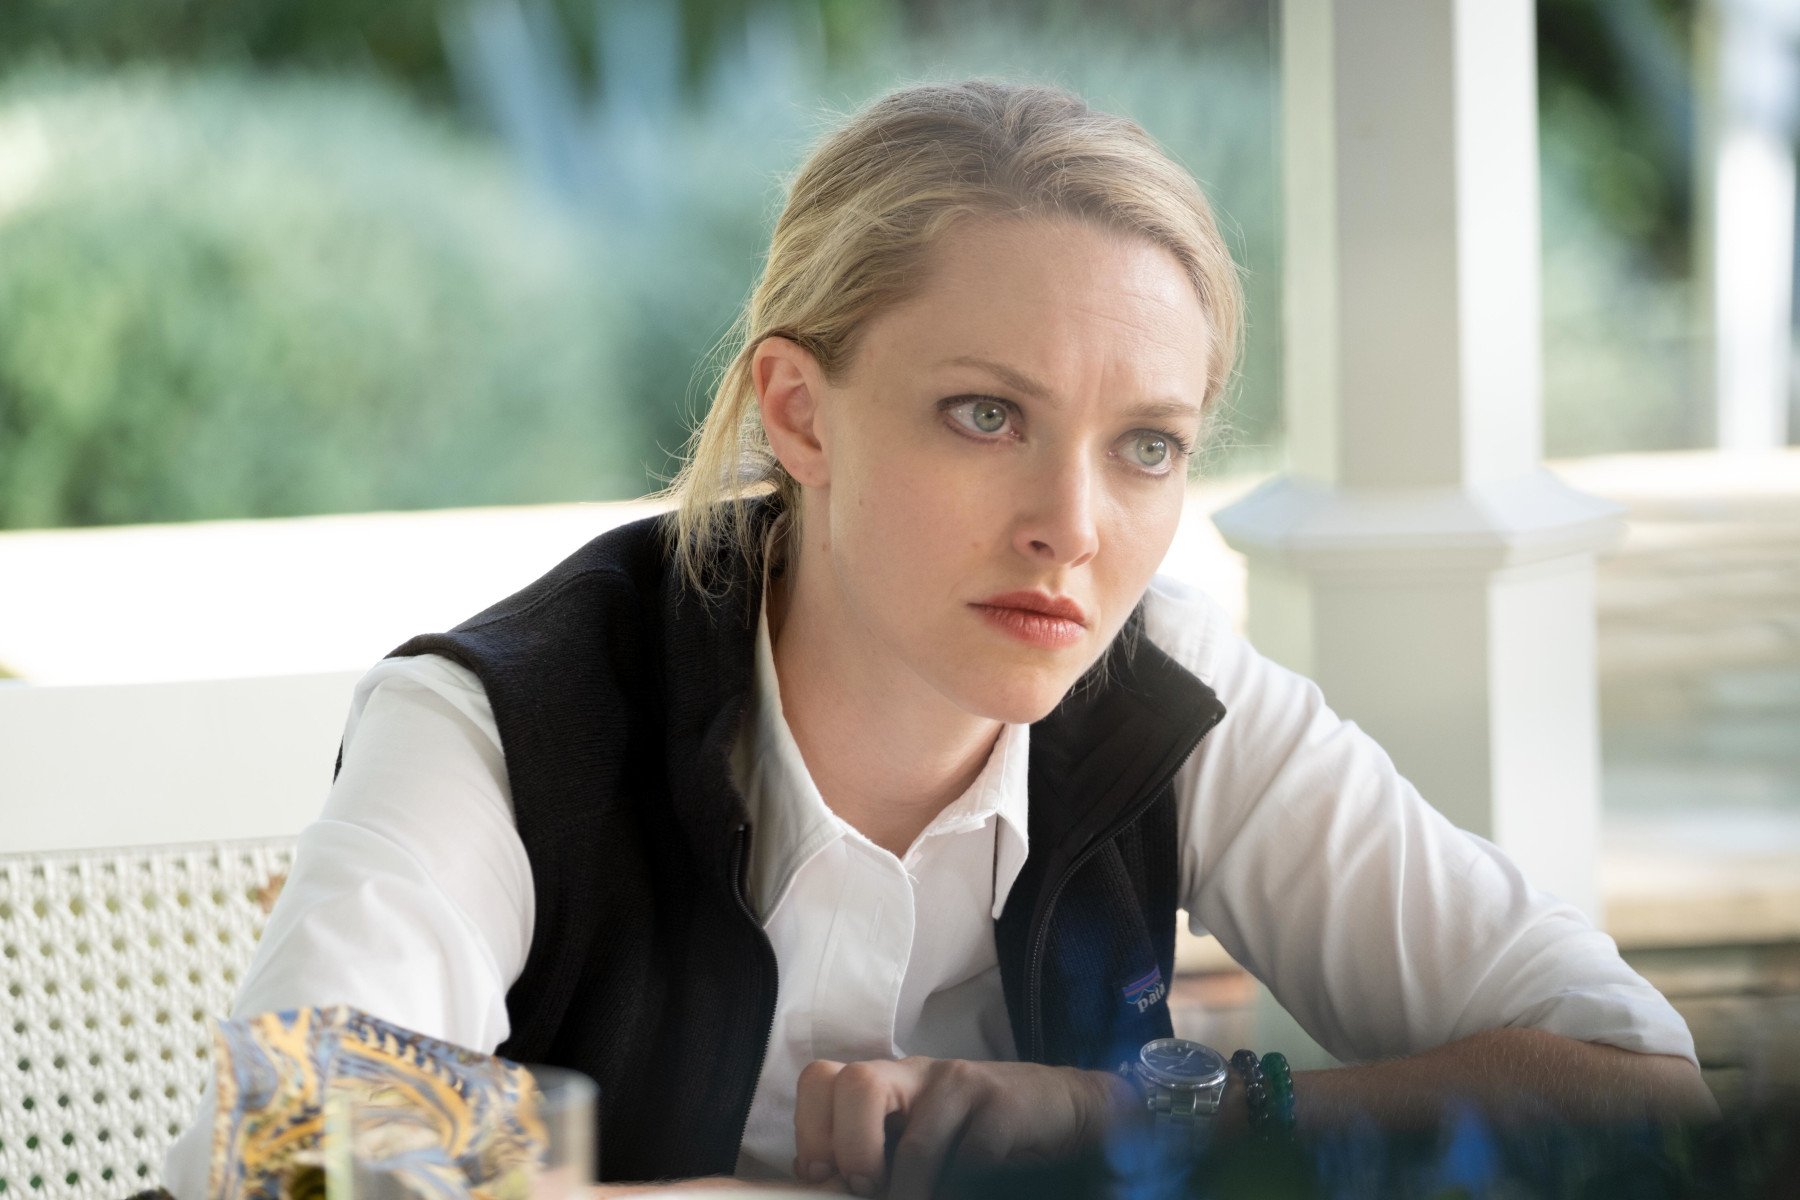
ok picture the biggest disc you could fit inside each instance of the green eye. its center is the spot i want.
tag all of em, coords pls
(1150, 450)
(984, 418)
(987, 416)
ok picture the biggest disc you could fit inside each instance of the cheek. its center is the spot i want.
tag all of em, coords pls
(918, 521)
(909, 529)
(1136, 540)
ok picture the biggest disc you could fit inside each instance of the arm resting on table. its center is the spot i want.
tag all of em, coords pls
(1509, 1074)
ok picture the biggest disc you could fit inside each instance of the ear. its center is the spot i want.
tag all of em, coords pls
(789, 386)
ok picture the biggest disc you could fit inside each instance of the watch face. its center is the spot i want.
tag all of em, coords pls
(1177, 1062)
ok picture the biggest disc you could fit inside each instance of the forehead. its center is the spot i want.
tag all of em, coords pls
(1077, 306)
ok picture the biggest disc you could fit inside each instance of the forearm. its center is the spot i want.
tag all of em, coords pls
(1509, 1074)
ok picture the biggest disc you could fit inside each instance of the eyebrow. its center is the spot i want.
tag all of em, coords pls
(1024, 384)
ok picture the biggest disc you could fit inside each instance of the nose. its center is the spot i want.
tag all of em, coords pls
(1056, 525)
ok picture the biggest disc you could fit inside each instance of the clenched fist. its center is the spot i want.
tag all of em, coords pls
(939, 1112)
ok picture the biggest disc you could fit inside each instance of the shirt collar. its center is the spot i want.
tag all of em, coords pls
(792, 822)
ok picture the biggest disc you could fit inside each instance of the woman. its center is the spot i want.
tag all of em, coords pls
(731, 811)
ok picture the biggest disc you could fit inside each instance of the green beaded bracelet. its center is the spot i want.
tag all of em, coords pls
(1280, 1105)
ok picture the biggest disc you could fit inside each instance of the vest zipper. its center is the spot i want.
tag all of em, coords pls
(740, 888)
(1034, 975)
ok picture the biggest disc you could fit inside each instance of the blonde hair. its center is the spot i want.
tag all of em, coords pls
(860, 216)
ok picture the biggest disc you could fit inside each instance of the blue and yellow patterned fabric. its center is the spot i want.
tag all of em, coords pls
(305, 1096)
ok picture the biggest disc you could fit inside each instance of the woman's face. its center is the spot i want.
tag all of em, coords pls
(1015, 436)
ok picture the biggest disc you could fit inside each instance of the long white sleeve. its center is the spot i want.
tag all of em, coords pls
(1384, 929)
(411, 896)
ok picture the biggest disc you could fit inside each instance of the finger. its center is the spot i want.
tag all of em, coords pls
(862, 1096)
(935, 1124)
(814, 1161)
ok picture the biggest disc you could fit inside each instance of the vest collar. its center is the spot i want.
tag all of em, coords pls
(1116, 738)
(708, 658)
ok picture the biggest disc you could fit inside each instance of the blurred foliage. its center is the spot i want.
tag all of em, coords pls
(1620, 64)
(1624, 340)
(1623, 350)
(225, 293)
(226, 296)
(395, 38)
(400, 39)
(285, 271)
(1615, 79)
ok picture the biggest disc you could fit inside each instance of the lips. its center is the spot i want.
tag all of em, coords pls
(1035, 619)
(1059, 607)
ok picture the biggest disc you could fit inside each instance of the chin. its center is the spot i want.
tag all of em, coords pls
(1023, 700)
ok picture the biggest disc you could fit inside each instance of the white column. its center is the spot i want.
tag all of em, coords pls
(1747, 77)
(1417, 561)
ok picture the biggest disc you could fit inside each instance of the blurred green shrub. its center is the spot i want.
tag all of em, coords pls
(396, 39)
(235, 294)
(1625, 343)
(226, 296)
(399, 37)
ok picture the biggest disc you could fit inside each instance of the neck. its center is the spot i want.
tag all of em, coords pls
(886, 753)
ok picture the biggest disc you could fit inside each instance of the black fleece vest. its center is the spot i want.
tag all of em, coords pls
(618, 693)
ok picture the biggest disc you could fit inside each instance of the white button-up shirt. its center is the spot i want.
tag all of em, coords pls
(1380, 926)
(878, 957)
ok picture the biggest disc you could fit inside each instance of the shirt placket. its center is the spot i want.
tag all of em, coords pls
(866, 960)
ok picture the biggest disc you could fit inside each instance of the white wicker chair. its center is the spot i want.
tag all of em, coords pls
(114, 964)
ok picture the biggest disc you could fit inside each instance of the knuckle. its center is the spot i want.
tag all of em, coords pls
(961, 1069)
(860, 1075)
(818, 1071)
(956, 1073)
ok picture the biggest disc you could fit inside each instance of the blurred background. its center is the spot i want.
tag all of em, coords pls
(331, 256)
(328, 256)
(308, 257)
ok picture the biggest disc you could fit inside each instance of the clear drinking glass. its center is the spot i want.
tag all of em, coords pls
(566, 1106)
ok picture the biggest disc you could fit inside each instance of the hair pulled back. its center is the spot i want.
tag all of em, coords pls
(861, 215)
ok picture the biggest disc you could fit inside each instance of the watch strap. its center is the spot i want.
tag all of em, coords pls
(1181, 1117)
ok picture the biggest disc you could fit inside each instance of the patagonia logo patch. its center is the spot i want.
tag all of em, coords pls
(1147, 990)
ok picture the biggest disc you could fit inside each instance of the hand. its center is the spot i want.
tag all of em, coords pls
(941, 1111)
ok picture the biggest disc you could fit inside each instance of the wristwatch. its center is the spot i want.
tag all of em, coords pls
(1182, 1083)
